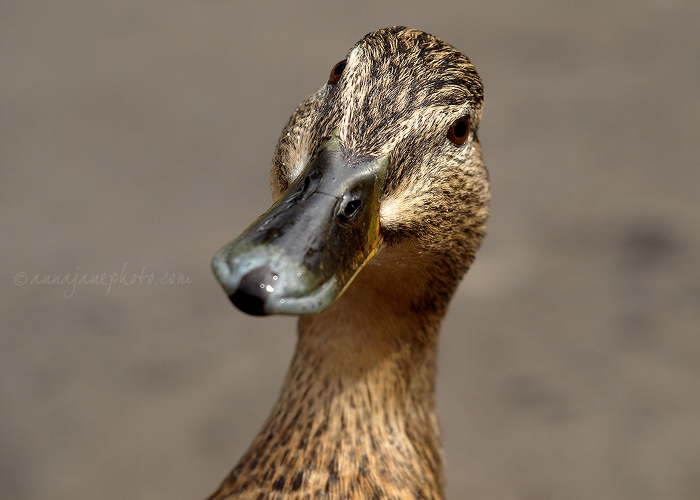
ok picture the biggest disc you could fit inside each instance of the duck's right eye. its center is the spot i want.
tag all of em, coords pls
(337, 71)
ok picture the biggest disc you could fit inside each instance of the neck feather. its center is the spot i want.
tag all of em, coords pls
(356, 417)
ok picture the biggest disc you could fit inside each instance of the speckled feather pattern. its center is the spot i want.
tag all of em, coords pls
(356, 417)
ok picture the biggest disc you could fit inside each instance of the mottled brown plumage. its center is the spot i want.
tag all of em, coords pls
(356, 418)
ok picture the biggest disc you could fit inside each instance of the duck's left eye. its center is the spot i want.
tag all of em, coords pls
(337, 71)
(459, 131)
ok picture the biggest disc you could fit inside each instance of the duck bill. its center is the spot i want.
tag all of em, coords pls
(299, 256)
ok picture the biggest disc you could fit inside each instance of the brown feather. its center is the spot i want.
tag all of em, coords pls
(356, 418)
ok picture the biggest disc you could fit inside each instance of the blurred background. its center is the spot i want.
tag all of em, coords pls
(136, 138)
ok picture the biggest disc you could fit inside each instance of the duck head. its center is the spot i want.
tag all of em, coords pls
(383, 158)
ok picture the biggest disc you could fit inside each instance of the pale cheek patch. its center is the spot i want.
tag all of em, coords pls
(390, 213)
(399, 210)
(297, 167)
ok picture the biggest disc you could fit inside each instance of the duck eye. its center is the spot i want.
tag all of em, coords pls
(337, 71)
(459, 131)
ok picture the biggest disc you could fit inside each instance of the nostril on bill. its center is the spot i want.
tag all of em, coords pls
(253, 291)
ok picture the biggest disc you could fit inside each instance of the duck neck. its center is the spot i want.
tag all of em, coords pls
(356, 417)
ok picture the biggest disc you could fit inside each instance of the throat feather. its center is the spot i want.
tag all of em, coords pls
(356, 417)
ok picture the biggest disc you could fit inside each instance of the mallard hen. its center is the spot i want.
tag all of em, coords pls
(381, 203)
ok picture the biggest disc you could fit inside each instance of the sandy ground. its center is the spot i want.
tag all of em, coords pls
(137, 136)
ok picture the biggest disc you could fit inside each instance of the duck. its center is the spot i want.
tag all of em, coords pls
(381, 202)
